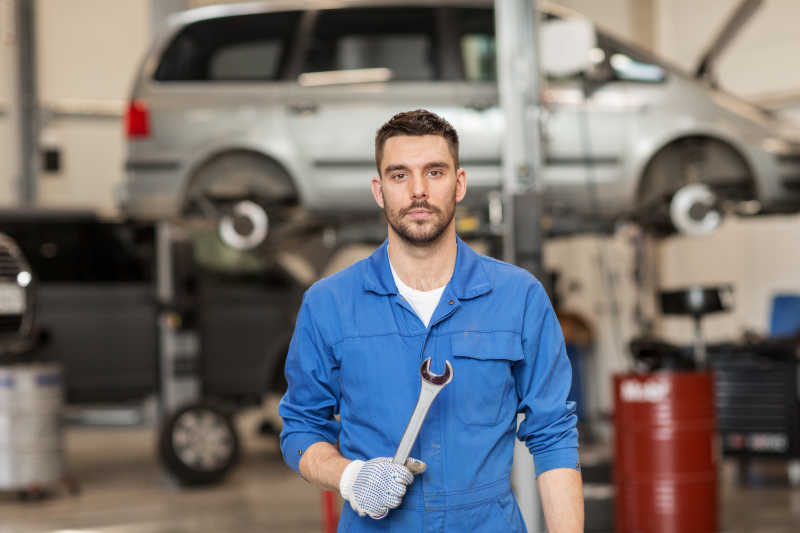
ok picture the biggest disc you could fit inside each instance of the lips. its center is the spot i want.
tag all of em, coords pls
(419, 210)
(419, 214)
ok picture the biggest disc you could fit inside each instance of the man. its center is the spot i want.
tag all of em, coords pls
(362, 334)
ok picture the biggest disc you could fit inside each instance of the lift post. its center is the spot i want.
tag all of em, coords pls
(179, 341)
(518, 79)
(516, 31)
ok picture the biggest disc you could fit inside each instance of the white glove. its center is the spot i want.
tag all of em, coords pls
(375, 486)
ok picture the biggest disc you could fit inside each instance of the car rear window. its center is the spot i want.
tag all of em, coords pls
(238, 48)
(477, 44)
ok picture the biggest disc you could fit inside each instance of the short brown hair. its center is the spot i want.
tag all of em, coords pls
(418, 122)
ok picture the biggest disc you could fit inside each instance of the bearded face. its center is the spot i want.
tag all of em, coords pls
(421, 222)
(419, 187)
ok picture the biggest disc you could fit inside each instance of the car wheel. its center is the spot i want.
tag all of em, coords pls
(245, 203)
(694, 210)
(245, 226)
(686, 165)
(198, 445)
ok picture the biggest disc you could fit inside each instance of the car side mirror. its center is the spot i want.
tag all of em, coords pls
(566, 47)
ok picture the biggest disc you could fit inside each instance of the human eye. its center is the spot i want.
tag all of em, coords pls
(435, 173)
(397, 176)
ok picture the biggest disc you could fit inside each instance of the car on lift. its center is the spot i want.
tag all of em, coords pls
(256, 114)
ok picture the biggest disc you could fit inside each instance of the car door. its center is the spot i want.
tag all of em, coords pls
(360, 66)
(584, 136)
(589, 129)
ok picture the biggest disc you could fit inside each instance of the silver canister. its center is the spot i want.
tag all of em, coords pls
(31, 435)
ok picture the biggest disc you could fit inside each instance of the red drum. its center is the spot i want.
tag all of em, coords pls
(665, 464)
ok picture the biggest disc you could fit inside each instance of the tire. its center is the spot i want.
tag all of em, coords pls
(688, 161)
(239, 175)
(198, 445)
(249, 200)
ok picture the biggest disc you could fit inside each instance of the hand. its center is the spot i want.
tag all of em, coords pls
(375, 486)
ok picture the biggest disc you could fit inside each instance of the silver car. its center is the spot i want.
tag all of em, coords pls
(261, 107)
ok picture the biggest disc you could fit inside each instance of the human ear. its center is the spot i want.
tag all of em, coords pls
(461, 184)
(376, 191)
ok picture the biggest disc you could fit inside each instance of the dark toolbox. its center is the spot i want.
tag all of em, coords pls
(756, 395)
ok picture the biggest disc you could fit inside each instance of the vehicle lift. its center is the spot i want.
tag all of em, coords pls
(197, 440)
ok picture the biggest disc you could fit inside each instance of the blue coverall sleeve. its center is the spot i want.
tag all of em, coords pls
(543, 381)
(312, 397)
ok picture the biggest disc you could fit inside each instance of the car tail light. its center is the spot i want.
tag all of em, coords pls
(137, 119)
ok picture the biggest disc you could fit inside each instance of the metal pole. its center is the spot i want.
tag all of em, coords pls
(516, 25)
(179, 344)
(18, 37)
(516, 28)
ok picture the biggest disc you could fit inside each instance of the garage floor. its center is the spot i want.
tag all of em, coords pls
(123, 491)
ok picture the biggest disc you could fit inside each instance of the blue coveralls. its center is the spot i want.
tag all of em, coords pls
(357, 349)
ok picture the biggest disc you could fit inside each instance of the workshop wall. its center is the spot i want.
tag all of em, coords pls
(758, 61)
(6, 35)
(89, 49)
(759, 257)
(87, 57)
(614, 15)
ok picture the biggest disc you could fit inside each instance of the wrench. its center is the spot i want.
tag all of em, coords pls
(430, 387)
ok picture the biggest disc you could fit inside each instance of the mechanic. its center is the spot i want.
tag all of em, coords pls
(362, 334)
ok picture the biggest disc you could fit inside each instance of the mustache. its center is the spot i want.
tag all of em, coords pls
(420, 204)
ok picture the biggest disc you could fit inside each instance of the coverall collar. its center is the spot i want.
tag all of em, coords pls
(469, 277)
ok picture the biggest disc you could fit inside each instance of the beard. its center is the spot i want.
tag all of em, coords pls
(421, 232)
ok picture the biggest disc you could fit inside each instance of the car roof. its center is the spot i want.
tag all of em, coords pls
(190, 16)
(177, 21)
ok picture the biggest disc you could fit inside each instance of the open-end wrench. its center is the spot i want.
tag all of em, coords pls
(430, 387)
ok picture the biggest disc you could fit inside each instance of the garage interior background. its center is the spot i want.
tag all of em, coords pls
(88, 52)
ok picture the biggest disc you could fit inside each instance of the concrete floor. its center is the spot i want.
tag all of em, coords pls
(124, 491)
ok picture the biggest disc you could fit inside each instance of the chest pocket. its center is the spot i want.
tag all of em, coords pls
(482, 378)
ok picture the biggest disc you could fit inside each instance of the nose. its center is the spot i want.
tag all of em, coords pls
(418, 187)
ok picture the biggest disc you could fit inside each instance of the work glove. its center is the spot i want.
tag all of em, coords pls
(375, 486)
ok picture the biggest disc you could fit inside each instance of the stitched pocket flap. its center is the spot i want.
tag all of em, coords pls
(487, 345)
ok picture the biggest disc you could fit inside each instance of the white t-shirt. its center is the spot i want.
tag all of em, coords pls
(422, 302)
